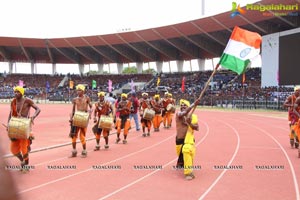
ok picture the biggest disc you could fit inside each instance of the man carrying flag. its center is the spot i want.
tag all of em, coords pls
(242, 46)
(186, 125)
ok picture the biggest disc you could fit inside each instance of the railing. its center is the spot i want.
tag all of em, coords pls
(252, 104)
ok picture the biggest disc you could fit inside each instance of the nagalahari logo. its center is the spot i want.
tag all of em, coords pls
(267, 10)
(236, 10)
(275, 9)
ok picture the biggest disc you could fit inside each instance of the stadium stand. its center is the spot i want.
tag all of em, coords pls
(225, 90)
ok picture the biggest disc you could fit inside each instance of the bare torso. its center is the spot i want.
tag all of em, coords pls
(181, 126)
(23, 107)
(81, 103)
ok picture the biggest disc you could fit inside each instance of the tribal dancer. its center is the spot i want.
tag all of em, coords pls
(157, 107)
(292, 116)
(20, 108)
(145, 104)
(123, 122)
(185, 142)
(80, 103)
(173, 110)
(166, 114)
(102, 108)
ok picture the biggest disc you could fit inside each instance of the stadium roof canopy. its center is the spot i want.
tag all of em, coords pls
(198, 39)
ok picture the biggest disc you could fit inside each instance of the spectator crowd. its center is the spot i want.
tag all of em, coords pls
(225, 87)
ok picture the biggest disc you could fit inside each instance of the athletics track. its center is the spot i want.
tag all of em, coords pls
(240, 155)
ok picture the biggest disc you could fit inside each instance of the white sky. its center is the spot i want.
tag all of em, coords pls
(73, 18)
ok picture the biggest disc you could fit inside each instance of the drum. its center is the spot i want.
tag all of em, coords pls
(105, 122)
(19, 128)
(171, 108)
(148, 114)
(81, 119)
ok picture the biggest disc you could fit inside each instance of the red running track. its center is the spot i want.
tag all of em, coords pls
(240, 155)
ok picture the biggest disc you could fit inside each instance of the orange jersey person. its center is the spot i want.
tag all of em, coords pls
(289, 104)
(296, 125)
(123, 121)
(157, 107)
(102, 109)
(167, 117)
(293, 118)
(145, 104)
(81, 104)
(20, 108)
(172, 108)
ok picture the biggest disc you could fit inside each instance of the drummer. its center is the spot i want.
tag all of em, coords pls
(102, 108)
(123, 121)
(157, 107)
(173, 103)
(145, 104)
(80, 103)
(20, 107)
(166, 114)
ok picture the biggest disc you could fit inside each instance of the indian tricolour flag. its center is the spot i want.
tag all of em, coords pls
(242, 46)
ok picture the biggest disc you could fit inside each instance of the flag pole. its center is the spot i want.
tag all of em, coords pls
(243, 100)
(205, 87)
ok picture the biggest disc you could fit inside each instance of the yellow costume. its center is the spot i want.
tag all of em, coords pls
(188, 148)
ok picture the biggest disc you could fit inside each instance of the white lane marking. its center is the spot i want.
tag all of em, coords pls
(89, 169)
(287, 157)
(153, 172)
(269, 116)
(260, 147)
(63, 158)
(229, 163)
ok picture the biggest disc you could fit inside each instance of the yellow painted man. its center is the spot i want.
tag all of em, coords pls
(185, 142)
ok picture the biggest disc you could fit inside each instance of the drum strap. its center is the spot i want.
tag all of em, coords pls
(156, 106)
(14, 109)
(145, 103)
(105, 108)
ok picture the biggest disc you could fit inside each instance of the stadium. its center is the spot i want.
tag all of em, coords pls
(243, 144)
